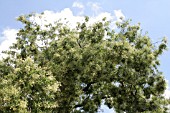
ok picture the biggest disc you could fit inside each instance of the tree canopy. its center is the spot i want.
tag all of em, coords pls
(55, 68)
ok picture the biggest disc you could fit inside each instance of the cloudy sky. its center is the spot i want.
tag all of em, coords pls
(153, 15)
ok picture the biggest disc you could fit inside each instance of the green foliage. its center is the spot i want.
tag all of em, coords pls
(58, 69)
(27, 87)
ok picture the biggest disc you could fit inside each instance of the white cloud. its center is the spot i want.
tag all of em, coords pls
(78, 5)
(66, 16)
(95, 7)
(119, 14)
(167, 91)
(105, 109)
(9, 36)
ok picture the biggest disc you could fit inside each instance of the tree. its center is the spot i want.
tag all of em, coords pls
(54, 68)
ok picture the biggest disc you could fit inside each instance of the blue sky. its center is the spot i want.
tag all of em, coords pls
(153, 15)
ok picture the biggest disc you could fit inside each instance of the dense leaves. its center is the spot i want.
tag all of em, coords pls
(53, 68)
